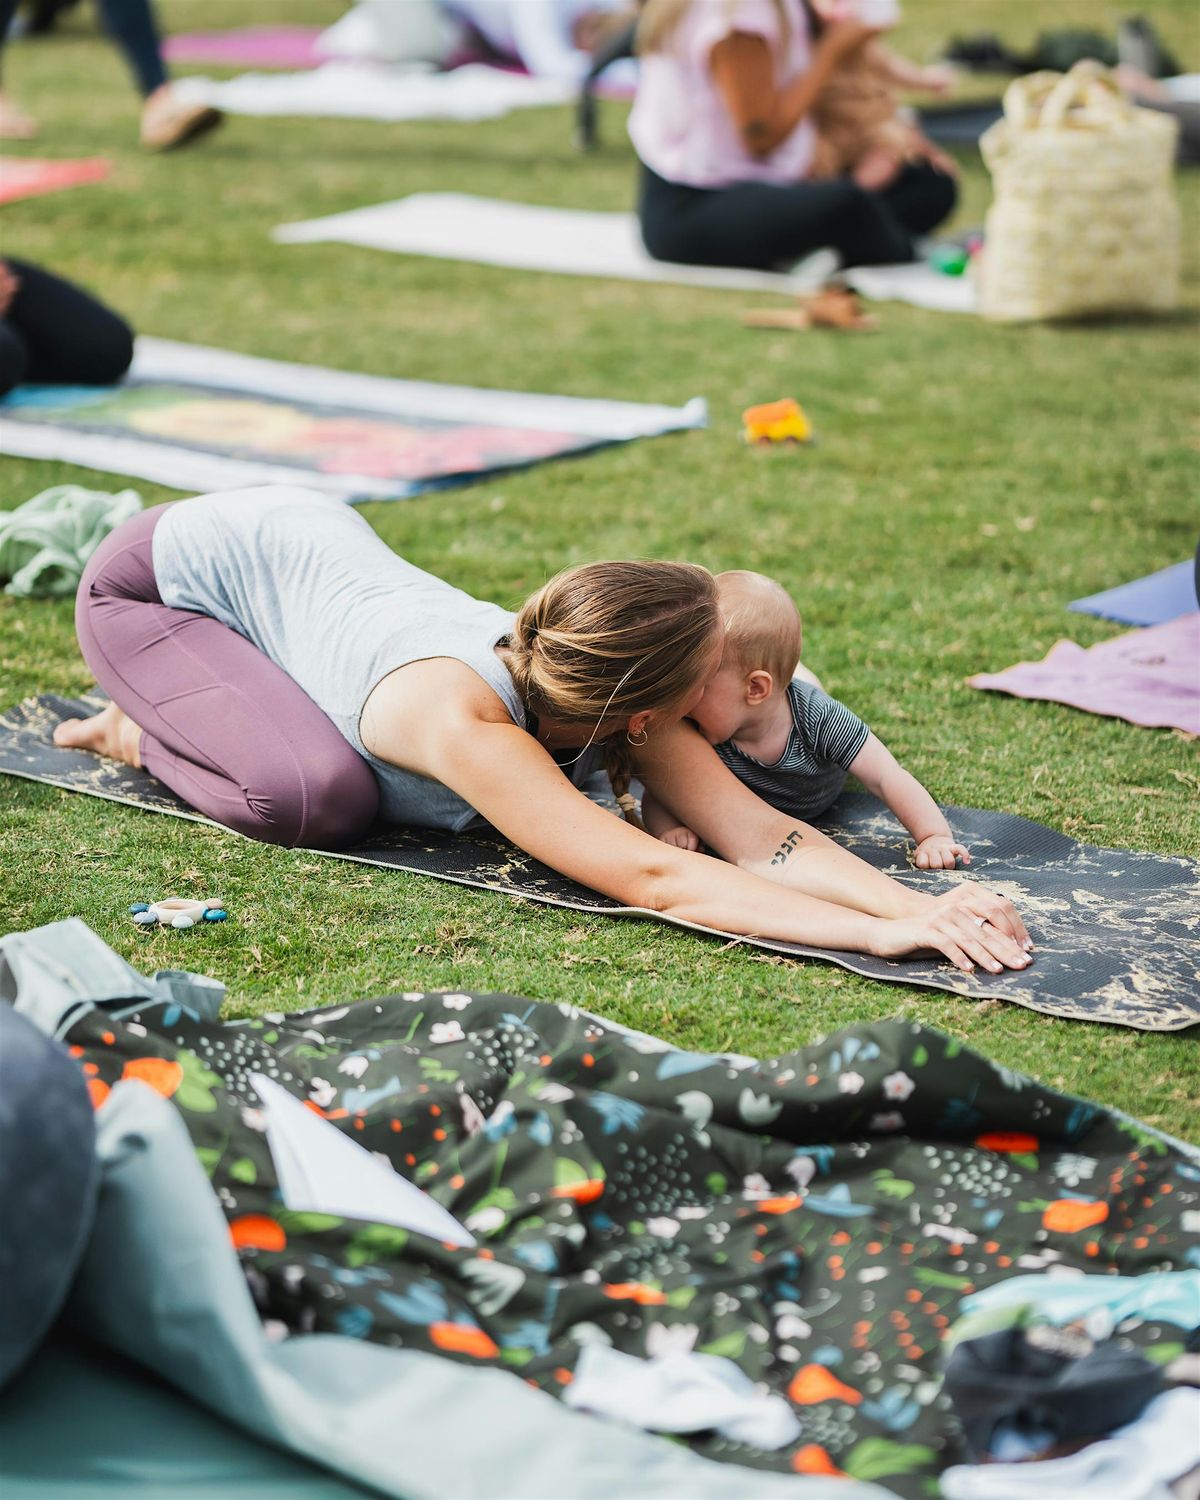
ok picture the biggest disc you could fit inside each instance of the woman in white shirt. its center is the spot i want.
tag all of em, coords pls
(723, 126)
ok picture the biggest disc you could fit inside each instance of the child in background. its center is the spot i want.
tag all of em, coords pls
(788, 741)
(861, 130)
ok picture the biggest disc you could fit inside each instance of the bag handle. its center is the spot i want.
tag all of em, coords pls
(1087, 97)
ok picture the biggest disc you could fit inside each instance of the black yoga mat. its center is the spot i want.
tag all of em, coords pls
(959, 124)
(1116, 932)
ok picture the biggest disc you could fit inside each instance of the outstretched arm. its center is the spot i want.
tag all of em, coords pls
(880, 772)
(684, 773)
(440, 719)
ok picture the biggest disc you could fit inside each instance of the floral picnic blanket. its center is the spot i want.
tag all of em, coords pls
(814, 1217)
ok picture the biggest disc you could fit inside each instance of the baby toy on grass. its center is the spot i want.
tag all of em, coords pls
(792, 744)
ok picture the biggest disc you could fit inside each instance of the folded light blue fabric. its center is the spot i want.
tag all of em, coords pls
(1167, 1297)
(1152, 600)
(45, 543)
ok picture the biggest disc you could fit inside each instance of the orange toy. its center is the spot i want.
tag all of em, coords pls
(776, 422)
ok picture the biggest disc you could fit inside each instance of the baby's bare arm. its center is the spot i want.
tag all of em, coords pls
(906, 74)
(880, 772)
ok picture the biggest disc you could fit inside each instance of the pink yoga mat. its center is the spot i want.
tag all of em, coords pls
(30, 176)
(289, 47)
(1149, 677)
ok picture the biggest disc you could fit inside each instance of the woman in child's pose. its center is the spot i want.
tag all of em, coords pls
(277, 665)
(775, 729)
(725, 126)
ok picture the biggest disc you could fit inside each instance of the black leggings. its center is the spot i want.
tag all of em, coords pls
(56, 334)
(762, 227)
(131, 25)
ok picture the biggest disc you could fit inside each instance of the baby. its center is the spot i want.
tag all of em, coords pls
(787, 740)
(861, 130)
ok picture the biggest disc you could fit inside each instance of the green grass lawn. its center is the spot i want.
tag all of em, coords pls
(969, 481)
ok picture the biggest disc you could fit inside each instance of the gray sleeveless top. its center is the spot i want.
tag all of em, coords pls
(307, 581)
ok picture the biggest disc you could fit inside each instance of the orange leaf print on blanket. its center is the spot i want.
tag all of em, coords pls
(463, 1338)
(257, 1232)
(1068, 1216)
(1011, 1142)
(812, 1459)
(815, 1383)
(581, 1192)
(160, 1073)
(781, 1205)
(635, 1291)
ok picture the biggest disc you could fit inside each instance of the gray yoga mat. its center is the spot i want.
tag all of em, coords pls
(1115, 930)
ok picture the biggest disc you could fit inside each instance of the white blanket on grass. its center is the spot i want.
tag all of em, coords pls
(578, 242)
(376, 91)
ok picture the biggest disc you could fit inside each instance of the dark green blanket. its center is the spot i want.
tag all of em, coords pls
(815, 1217)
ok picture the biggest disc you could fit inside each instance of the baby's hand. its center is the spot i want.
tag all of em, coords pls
(680, 837)
(939, 851)
(938, 78)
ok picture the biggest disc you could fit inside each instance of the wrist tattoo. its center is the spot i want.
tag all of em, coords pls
(789, 843)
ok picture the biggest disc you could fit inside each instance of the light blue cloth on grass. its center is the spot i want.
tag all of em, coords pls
(1163, 1297)
(45, 543)
(1152, 600)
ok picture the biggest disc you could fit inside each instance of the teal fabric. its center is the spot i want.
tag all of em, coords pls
(53, 972)
(1165, 1297)
(162, 1285)
(85, 1425)
(45, 543)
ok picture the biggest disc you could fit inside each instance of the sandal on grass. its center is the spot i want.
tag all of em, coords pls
(168, 121)
(15, 124)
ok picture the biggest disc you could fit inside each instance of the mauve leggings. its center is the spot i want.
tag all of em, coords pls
(222, 725)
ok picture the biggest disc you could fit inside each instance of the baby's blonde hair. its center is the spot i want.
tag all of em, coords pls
(607, 640)
(762, 624)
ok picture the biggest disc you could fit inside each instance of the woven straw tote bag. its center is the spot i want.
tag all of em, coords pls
(1084, 220)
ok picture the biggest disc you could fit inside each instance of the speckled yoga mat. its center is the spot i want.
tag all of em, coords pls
(1117, 933)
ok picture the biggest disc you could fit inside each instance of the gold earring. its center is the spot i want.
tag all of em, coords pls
(637, 743)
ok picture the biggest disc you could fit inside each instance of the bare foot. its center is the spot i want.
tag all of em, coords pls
(111, 732)
(15, 124)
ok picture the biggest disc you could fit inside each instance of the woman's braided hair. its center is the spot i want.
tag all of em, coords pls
(604, 641)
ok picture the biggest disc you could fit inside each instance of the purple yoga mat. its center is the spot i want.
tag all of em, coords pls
(1149, 677)
(289, 47)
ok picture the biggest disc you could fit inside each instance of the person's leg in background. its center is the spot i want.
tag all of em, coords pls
(15, 124)
(764, 227)
(221, 724)
(14, 358)
(167, 121)
(921, 197)
(69, 337)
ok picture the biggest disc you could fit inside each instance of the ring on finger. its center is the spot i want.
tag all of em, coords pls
(981, 921)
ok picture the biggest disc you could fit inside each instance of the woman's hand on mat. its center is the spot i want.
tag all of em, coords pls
(939, 852)
(964, 939)
(988, 908)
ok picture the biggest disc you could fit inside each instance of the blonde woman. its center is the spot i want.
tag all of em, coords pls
(724, 125)
(272, 661)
